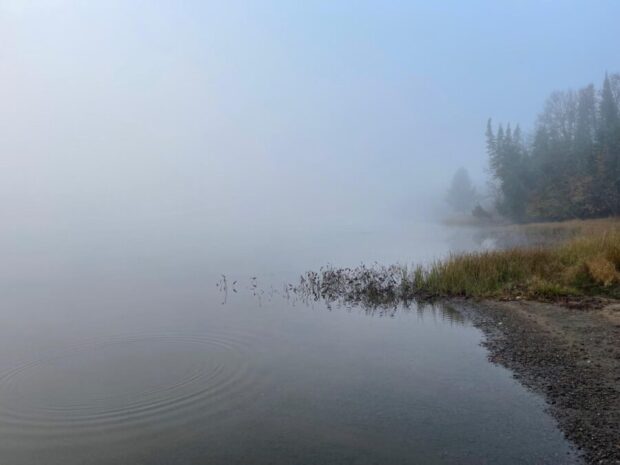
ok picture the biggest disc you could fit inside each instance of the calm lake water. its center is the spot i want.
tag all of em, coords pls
(116, 347)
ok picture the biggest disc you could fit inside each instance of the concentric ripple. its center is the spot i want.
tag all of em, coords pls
(126, 381)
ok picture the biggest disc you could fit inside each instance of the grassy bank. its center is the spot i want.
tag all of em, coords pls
(570, 259)
(587, 264)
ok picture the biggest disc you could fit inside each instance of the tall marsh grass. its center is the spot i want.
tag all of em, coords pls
(586, 264)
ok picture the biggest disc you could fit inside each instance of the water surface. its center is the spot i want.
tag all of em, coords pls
(117, 347)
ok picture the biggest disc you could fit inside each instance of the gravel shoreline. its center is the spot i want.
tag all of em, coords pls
(570, 355)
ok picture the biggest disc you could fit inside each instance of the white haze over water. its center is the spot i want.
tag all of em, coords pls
(255, 119)
(147, 147)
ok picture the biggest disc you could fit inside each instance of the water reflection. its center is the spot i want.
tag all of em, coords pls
(310, 292)
(491, 237)
(113, 358)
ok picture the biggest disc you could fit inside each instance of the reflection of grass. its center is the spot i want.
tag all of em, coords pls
(586, 264)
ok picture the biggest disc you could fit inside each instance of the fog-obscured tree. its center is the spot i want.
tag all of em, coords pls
(609, 149)
(462, 196)
(507, 156)
(585, 127)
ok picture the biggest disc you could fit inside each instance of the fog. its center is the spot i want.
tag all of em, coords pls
(267, 117)
(210, 210)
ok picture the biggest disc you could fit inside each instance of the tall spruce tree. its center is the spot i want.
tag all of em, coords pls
(608, 150)
(462, 196)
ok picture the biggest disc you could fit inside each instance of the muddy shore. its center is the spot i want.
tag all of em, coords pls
(570, 353)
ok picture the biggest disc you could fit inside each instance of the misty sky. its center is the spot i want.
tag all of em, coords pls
(271, 111)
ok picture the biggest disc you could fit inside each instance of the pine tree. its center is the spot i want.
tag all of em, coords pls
(585, 127)
(491, 144)
(608, 111)
(462, 195)
(608, 148)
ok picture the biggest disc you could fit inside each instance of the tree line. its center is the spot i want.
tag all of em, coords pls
(569, 167)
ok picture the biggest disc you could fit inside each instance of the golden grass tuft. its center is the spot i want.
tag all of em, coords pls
(602, 270)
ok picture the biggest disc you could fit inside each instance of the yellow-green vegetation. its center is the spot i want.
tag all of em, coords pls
(578, 258)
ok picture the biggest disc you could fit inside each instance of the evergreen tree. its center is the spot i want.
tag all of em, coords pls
(608, 111)
(609, 150)
(462, 196)
(585, 127)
